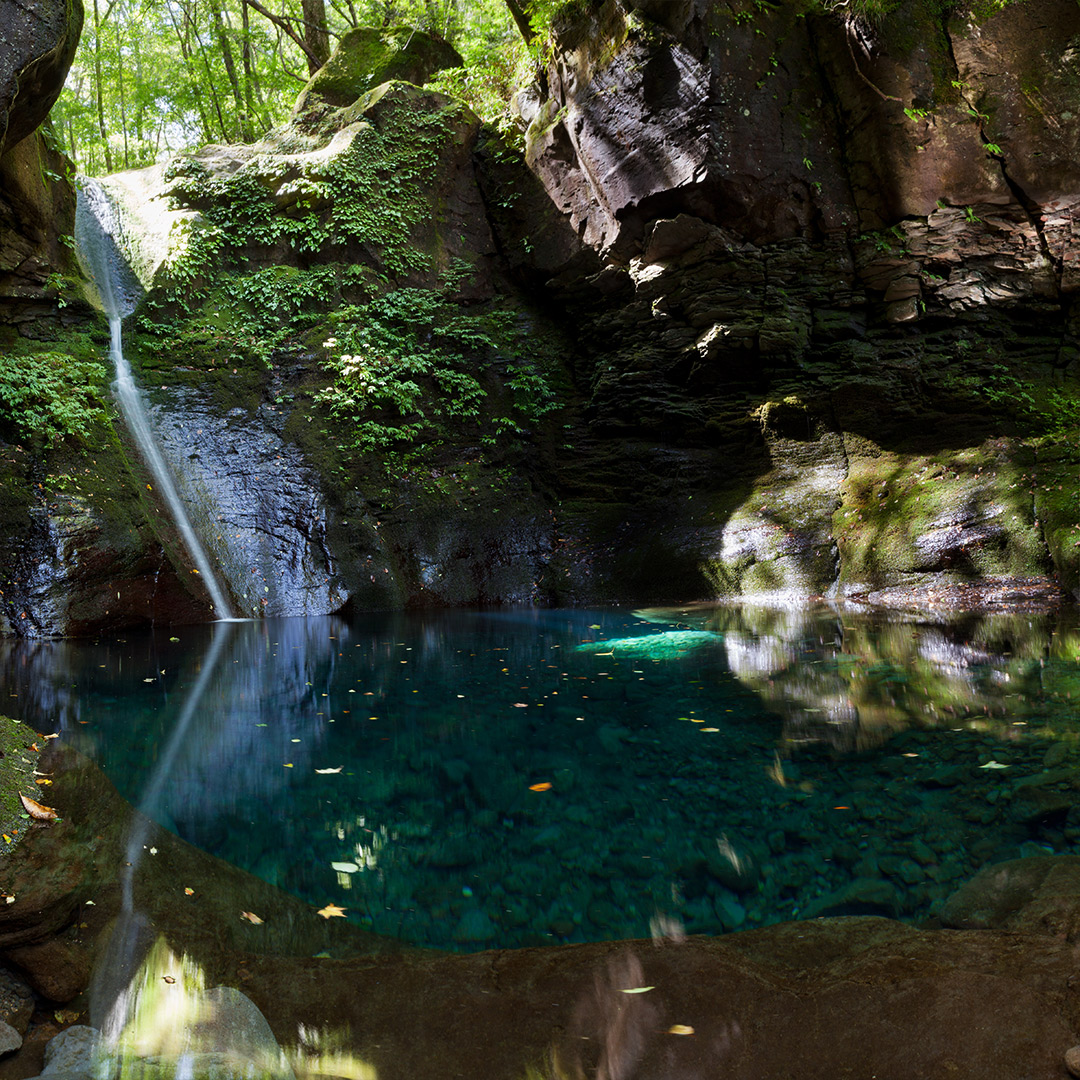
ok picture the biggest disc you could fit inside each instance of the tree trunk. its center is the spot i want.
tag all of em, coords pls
(230, 69)
(98, 85)
(316, 35)
(521, 18)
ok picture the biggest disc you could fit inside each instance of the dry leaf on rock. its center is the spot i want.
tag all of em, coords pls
(36, 810)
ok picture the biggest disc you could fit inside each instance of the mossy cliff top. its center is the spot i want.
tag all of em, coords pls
(368, 56)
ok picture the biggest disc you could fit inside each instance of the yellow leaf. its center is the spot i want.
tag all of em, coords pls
(680, 1029)
(332, 910)
(189, 891)
(251, 917)
(36, 810)
(546, 786)
(637, 989)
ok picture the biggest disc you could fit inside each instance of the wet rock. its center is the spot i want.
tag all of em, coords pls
(863, 896)
(1032, 805)
(1036, 895)
(73, 1052)
(1072, 1060)
(58, 970)
(1055, 755)
(10, 1039)
(734, 866)
(474, 927)
(16, 1001)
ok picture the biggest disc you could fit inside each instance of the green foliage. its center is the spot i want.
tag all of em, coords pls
(374, 195)
(152, 79)
(1051, 411)
(409, 362)
(51, 395)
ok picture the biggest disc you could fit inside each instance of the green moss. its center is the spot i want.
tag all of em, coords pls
(19, 749)
(368, 56)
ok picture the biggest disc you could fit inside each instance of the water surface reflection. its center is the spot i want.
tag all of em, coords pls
(469, 779)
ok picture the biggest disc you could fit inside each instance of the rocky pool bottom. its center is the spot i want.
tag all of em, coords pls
(182, 982)
(478, 780)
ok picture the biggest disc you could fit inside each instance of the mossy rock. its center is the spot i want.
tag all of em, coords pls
(368, 56)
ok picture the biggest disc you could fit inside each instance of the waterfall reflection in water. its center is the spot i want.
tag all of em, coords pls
(467, 779)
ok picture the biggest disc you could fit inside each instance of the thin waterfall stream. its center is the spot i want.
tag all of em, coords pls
(95, 229)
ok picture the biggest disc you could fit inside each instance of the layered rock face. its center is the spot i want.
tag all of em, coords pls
(783, 305)
(37, 201)
(826, 248)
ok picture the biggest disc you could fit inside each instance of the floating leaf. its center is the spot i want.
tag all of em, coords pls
(545, 786)
(332, 911)
(326, 772)
(251, 917)
(189, 891)
(345, 867)
(993, 765)
(636, 989)
(36, 810)
(168, 978)
(680, 1029)
(50, 736)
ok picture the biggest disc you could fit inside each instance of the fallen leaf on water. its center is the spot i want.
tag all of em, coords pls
(680, 1029)
(36, 810)
(636, 989)
(520, 705)
(325, 772)
(709, 729)
(50, 736)
(332, 910)
(168, 978)
(545, 786)
(42, 780)
(993, 765)
(251, 917)
(189, 891)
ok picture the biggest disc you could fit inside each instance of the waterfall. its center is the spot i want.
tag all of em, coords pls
(95, 229)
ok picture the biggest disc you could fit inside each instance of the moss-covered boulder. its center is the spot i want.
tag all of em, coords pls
(368, 56)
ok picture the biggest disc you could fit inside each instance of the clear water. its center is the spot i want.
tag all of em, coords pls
(503, 778)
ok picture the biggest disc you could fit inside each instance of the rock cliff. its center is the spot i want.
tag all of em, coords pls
(831, 250)
(777, 303)
(37, 200)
